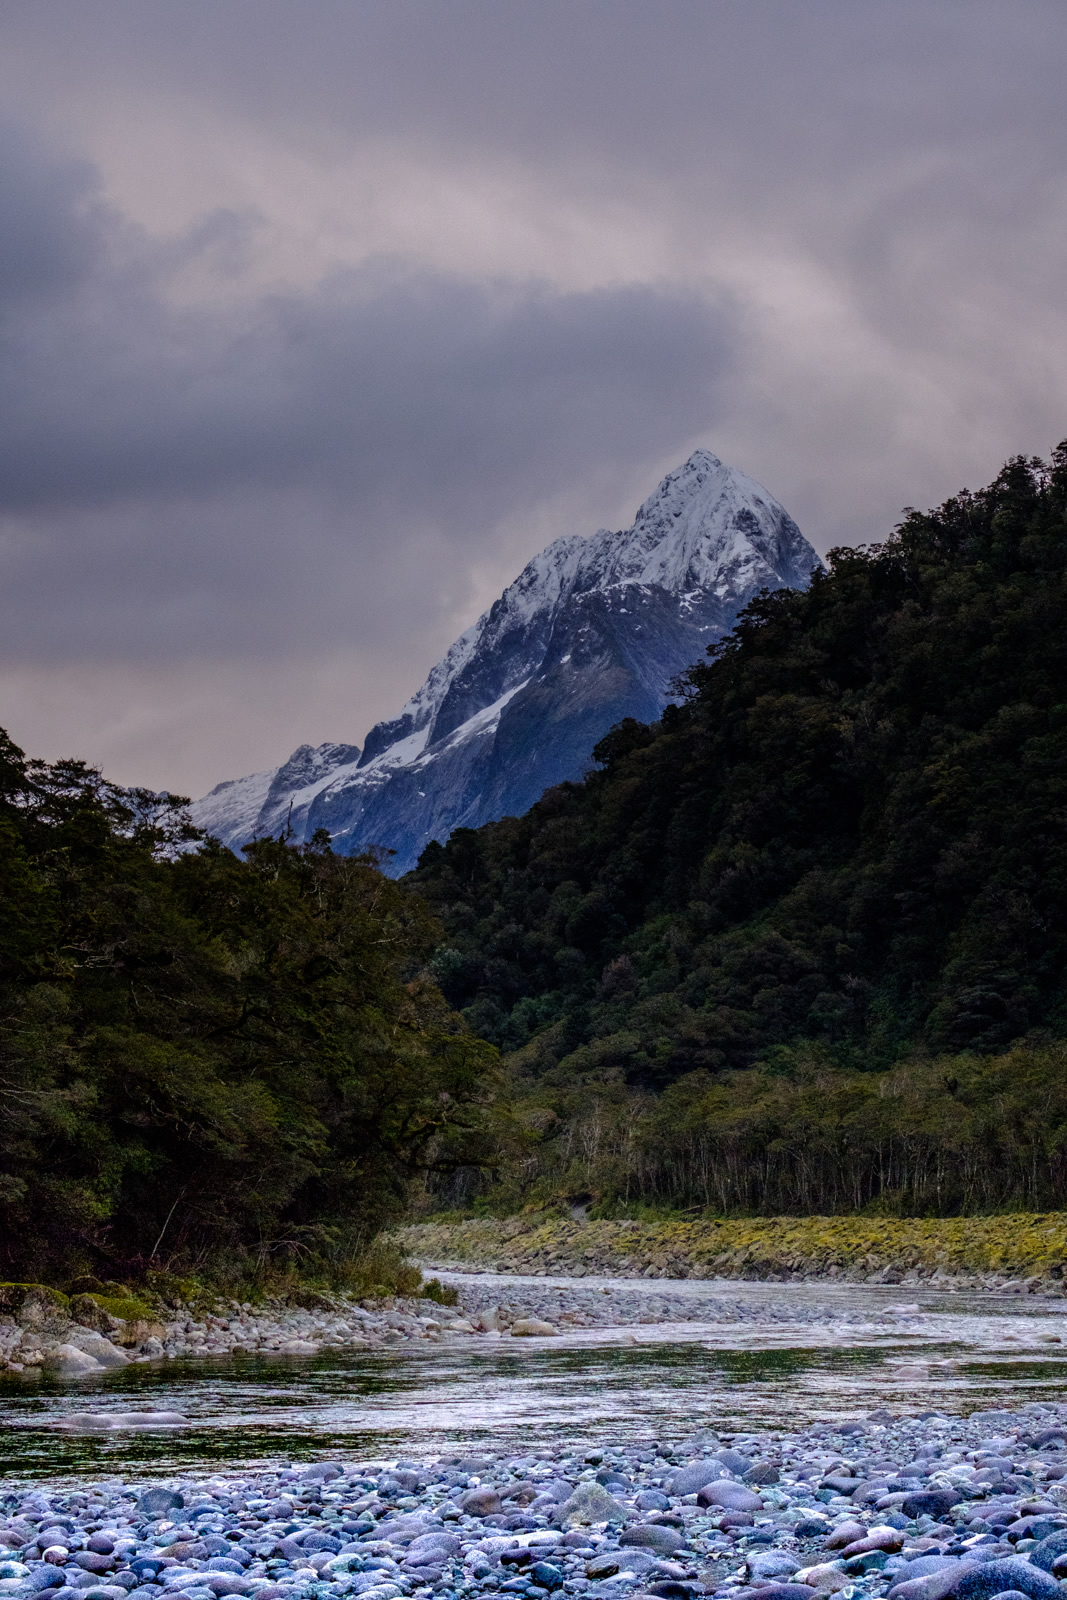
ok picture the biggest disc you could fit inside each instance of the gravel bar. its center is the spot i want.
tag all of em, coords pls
(916, 1508)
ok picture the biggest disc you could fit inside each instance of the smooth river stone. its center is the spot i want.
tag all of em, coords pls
(844, 1534)
(90, 1561)
(765, 1564)
(930, 1502)
(481, 1503)
(935, 1585)
(784, 1591)
(994, 1577)
(730, 1495)
(654, 1536)
(1045, 1553)
(592, 1503)
(877, 1538)
(922, 1566)
(687, 1480)
(433, 1547)
(157, 1502)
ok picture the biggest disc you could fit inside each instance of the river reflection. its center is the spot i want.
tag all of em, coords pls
(947, 1353)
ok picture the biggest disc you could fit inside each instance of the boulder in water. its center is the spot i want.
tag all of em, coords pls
(67, 1361)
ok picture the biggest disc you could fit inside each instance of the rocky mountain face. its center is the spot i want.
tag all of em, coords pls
(268, 803)
(591, 631)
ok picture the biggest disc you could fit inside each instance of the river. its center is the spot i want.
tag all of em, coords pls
(949, 1352)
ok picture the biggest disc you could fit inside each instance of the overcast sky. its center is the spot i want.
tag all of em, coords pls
(318, 318)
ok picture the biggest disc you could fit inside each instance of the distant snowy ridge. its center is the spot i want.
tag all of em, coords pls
(592, 630)
(268, 803)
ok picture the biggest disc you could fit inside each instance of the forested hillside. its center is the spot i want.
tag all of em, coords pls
(207, 1063)
(800, 946)
(804, 941)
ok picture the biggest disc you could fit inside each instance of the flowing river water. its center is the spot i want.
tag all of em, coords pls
(795, 1354)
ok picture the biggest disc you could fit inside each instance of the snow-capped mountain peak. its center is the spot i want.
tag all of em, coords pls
(707, 525)
(593, 629)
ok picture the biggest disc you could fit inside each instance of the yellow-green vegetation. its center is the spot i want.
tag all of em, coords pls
(443, 1294)
(379, 1270)
(126, 1307)
(143, 1301)
(1019, 1246)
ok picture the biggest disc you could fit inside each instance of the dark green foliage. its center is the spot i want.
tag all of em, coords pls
(207, 1062)
(851, 835)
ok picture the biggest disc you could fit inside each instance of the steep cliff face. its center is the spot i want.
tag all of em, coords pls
(592, 630)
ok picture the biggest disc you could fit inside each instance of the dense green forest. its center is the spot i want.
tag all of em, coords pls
(803, 943)
(208, 1064)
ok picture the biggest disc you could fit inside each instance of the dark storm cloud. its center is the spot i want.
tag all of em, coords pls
(903, 161)
(173, 475)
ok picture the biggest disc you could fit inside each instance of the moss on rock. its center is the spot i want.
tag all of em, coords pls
(32, 1302)
(126, 1307)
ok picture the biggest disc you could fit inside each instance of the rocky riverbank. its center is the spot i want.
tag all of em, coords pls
(1023, 1253)
(903, 1507)
(42, 1331)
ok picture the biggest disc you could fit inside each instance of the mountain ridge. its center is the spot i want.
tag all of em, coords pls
(593, 629)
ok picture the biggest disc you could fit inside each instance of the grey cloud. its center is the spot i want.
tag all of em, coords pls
(300, 472)
(689, 81)
(47, 242)
(174, 475)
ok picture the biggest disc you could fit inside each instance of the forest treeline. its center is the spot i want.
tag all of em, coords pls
(208, 1064)
(802, 945)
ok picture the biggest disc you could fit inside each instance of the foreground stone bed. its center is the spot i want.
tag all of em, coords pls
(911, 1508)
(1023, 1253)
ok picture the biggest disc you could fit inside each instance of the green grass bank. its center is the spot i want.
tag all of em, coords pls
(1028, 1251)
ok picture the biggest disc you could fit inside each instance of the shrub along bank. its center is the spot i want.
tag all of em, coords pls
(1027, 1250)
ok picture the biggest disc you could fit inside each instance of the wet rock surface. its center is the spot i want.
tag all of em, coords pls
(66, 1348)
(42, 1332)
(500, 1305)
(904, 1507)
